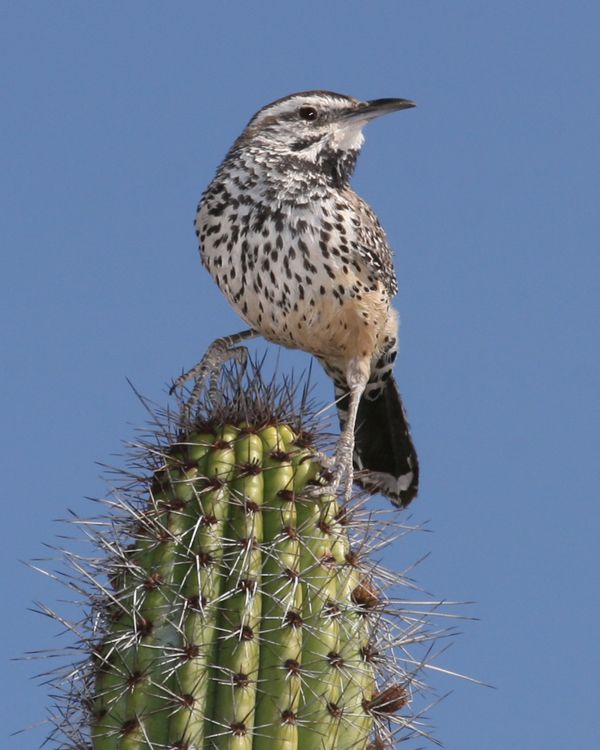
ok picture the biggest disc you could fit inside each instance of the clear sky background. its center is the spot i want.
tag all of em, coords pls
(114, 117)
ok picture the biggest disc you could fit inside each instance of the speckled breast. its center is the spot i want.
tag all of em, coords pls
(296, 276)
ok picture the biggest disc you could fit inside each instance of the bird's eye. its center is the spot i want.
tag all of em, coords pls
(308, 113)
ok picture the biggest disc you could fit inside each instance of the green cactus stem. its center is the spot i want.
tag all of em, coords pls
(234, 606)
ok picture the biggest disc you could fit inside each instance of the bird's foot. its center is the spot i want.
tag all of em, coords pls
(339, 472)
(220, 351)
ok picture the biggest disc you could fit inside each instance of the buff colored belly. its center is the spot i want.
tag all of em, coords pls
(329, 329)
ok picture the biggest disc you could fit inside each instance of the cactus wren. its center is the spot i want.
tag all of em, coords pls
(305, 262)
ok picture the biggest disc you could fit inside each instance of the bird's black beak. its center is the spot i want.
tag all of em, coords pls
(376, 107)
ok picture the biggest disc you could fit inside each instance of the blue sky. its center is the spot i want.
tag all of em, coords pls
(114, 117)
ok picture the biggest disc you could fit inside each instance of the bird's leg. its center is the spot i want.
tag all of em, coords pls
(220, 351)
(357, 377)
(344, 451)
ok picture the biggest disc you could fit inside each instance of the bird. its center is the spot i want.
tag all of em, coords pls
(306, 264)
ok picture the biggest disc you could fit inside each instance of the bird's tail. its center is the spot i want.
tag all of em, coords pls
(385, 459)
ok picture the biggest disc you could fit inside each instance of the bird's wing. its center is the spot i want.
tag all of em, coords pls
(372, 246)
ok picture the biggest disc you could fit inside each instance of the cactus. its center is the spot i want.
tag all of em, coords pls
(233, 605)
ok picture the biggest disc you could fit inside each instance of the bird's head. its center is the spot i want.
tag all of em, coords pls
(314, 130)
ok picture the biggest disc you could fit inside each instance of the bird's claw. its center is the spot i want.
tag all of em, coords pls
(219, 352)
(337, 474)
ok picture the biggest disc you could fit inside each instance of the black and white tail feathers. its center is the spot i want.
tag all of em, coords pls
(384, 455)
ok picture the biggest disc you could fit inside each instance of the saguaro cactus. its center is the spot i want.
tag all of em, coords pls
(233, 605)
